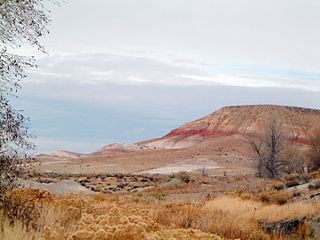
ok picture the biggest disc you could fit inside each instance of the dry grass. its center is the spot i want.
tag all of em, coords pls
(16, 231)
(299, 210)
(232, 217)
(39, 215)
(76, 217)
(225, 216)
(276, 197)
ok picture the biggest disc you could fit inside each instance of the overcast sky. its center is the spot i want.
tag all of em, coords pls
(124, 71)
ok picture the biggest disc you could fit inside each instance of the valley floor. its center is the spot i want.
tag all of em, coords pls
(178, 206)
(143, 195)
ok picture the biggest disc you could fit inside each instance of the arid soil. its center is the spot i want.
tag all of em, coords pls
(231, 154)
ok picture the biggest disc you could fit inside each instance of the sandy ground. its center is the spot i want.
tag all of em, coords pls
(63, 187)
(219, 157)
(185, 166)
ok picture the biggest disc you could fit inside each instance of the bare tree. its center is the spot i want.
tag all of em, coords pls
(21, 22)
(256, 145)
(311, 133)
(314, 153)
(295, 159)
(267, 148)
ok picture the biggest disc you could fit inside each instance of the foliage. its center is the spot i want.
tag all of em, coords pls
(21, 22)
(105, 216)
(77, 217)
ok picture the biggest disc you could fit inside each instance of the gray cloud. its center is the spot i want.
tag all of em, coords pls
(97, 69)
(124, 71)
(113, 111)
(274, 33)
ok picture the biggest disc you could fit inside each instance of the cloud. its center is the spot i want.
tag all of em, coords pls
(309, 85)
(154, 65)
(139, 80)
(271, 33)
(101, 68)
(130, 112)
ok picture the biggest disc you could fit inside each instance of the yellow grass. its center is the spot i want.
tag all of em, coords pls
(16, 231)
(300, 210)
(76, 217)
(99, 217)
(232, 217)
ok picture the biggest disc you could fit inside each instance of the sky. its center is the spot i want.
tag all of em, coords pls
(131, 70)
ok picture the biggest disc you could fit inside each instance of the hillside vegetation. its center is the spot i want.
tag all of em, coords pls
(167, 212)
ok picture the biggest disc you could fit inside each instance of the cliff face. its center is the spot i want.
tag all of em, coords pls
(296, 123)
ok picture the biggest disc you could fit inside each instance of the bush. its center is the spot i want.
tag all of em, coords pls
(277, 197)
(279, 186)
(314, 186)
(259, 235)
(293, 180)
(292, 183)
(184, 177)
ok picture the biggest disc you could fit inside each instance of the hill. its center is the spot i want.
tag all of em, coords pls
(116, 148)
(61, 154)
(296, 123)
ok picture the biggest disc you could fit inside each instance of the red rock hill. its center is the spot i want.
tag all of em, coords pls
(296, 123)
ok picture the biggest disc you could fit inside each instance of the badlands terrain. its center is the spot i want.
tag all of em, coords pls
(197, 182)
(217, 142)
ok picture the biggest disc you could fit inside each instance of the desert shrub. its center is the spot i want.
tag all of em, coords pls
(279, 186)
(314, 185)
(246, 195)
(306, 177)
(293, 176)
(23, 205)
(184, 177)
(100, 197)
(277, 197)
(180, 234)
(296, 179)
(76, 217)
(292, 183)
(258, 235)
(99, 217)
(315, 174)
